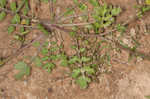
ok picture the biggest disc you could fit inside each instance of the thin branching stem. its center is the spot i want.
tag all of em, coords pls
(21, 6)
(62, 15)
(73, 16)
(20, 50)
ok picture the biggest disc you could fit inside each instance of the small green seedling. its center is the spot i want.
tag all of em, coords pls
(19, 38)
(48, 56)
(104, 16)
(48, 67)
(82, 76)
(24, 70)
(3, 3)
(2, 15)
(42, 28)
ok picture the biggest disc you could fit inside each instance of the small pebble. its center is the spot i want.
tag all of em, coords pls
(50, 90)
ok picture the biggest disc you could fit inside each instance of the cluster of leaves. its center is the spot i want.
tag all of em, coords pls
(2, 13)
(82, 70)
(16, 9)
(24, 70)
(86, 61)
(46, 60)
(49, 55)
(104, 16)
(82, 75)
(143, 8)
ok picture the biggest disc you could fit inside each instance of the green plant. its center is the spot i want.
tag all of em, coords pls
(104, 16)
(142, 10)
(121, 28)
(3, 3)
(82, 75)
(17, 18)
(23, 68)
(91, 54)
(49, 55)
(147, 97)
(2, 15)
